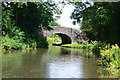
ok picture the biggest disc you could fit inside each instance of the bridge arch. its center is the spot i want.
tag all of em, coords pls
(68, 35)
(65, 38)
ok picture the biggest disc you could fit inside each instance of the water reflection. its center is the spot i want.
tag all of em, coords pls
(55, 62)
(0, 64)
(65, 70)
(66, 66)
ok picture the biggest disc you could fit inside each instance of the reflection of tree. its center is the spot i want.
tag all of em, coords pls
(23, 64)
(64, 51)
(0, 64)
(90, 68)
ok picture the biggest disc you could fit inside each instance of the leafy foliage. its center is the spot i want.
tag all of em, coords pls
(53, 23)
(110, 56)
(21, 22)
(100, 21)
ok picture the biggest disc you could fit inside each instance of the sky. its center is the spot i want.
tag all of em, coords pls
(65, 19)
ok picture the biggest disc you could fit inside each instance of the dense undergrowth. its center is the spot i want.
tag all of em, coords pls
(20, 28)
(108, 55)
(8, 43)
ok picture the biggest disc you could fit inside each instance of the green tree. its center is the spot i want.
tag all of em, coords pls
(100, 21)
(22, 20)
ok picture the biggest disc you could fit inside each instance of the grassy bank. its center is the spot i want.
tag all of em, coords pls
(108, 55)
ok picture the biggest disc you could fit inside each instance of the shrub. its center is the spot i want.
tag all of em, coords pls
(110, 56)
(42, 43)
(7, 43)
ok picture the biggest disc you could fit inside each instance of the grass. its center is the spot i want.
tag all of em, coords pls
(74, 45)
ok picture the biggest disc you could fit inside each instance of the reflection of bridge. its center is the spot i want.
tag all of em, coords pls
(68, 35)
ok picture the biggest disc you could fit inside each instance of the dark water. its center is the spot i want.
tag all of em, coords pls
(55, 62)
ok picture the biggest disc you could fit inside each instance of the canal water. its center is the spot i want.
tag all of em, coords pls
(54, 62)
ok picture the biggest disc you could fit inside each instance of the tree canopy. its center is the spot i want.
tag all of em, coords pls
(22, 20)
(100, 21)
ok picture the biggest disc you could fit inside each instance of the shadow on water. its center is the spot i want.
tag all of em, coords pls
(56, 44)
(55, 62)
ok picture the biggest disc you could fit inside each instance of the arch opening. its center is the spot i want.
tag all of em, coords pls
(65, 38)
(54, 39)
(59, 39)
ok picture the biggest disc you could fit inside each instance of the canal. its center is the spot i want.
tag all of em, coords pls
(54, 62)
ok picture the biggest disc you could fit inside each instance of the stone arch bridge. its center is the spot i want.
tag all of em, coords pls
(68, 35)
